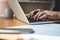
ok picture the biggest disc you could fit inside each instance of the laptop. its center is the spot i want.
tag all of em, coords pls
(20, 15)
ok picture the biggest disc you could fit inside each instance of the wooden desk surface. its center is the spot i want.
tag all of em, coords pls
(11, 37)
(10, 22)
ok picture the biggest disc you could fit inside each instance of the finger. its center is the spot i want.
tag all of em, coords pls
(43, 16)
(30, 14)
(34, 12)
(40, 14)
(35, 16)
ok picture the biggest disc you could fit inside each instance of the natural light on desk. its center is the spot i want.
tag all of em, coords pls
(42, 32)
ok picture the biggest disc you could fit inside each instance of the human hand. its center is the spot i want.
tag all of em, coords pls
(43, 14)
(34, 12)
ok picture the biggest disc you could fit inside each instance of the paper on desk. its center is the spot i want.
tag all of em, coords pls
(47, 29)
(39, 37)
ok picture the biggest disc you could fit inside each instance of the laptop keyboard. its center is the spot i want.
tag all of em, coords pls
(40, 20)
(32, 20)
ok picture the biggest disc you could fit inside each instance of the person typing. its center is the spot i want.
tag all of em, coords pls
(46, 14)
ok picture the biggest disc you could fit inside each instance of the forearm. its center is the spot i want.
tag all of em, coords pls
(56, 14)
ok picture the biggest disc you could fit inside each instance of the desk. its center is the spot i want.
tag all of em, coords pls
(10, 37)
(10, 22)
(26, 37)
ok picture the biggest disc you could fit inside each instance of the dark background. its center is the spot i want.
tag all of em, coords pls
(57, 5)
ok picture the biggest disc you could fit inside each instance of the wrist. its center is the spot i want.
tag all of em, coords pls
(58, 15)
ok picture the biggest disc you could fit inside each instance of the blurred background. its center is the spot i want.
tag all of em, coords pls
(29, 5)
